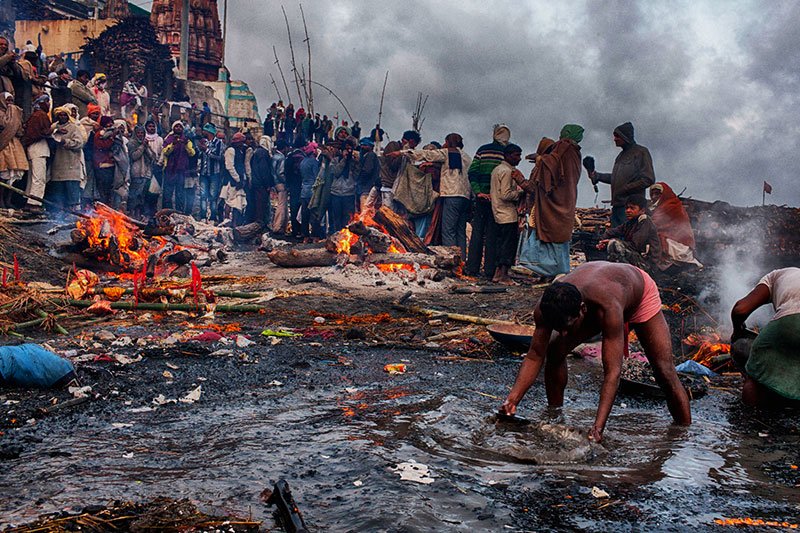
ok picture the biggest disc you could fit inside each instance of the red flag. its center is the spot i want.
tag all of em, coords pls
(767, 188)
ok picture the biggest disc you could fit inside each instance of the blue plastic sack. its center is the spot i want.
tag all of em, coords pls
(693, 367)
(30, 365)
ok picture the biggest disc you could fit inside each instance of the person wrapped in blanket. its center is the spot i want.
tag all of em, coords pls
(771, 362)
(636, 242)
(674, 228)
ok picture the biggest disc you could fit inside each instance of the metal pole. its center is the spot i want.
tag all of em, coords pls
(183, 66)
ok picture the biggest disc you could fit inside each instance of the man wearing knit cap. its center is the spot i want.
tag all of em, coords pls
(34, 139)
(482, 241)
(632, 174)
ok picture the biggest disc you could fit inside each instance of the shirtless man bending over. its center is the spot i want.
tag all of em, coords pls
(599, 297)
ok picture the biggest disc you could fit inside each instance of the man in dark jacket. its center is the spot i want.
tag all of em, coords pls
(369, 173)
(294, 184)
(632, 173)
(258, 210)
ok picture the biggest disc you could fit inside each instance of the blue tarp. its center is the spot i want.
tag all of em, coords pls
(30, 365)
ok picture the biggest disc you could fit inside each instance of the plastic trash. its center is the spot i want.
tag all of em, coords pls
(693, 367)
(30, 365)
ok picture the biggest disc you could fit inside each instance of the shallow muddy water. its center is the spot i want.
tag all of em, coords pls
(336, 433)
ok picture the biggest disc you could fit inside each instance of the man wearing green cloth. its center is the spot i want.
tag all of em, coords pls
(554, 184)
(772, 370)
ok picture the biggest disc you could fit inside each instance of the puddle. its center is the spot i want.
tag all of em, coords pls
(338, 449)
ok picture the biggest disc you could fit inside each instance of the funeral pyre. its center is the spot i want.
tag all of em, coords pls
(380, 238)
(109, 241)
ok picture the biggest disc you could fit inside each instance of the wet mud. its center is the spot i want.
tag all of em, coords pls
(320, 412)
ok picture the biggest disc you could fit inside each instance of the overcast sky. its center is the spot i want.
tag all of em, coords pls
(710, 86)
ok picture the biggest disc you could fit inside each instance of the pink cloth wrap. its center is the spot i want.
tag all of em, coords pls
(650, 304)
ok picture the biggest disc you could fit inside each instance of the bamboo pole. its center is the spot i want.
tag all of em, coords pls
(43, 201)
(380, 114)
(168, 292)
(56, 326)
(309, 92)
(132, 306)
(452, 316)
(285, 85)
(291, 50)
(276, 86)
(335, 96)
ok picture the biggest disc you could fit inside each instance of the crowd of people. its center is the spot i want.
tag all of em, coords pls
(306, 175)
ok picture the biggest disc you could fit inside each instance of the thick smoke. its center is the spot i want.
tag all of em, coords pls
(738, 268)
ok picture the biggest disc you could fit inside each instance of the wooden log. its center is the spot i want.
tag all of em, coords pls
(247, 232)
(400, 230)
(445, 262)
(295, 258)
(302, 258)
(181, 257)
(375, 240)
(332, 242)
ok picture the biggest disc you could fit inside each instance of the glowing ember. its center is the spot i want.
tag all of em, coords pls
(754, 522)
(348, 239)
(709, 346)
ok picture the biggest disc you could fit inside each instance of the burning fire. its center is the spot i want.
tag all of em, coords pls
(709, 346)
(754, 522)
(348, 239)
(115, 240)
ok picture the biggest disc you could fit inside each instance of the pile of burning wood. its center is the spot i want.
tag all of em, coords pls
(711, 351)
(381, 238)
(110, 241)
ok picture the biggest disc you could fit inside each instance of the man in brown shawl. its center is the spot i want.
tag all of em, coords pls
(13, 162)
(554, 183)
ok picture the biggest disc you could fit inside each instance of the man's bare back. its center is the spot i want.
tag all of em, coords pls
(599, 297)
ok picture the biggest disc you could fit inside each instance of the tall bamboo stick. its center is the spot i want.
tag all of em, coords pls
(285, 85)
(309, 94)
(291, 50)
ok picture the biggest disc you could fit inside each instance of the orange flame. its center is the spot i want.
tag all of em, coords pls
(754, 522)
(347, 239)
(119, 242)
(709, 346)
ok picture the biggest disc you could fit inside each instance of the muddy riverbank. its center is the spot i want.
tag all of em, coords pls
(319, 411)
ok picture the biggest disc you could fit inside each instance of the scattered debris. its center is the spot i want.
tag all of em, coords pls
(414, 471)
(193, 395)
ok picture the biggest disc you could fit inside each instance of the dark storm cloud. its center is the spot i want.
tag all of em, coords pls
(718, 119)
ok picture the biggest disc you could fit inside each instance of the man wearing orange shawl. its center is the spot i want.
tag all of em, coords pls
(554, 182)
(673, 225)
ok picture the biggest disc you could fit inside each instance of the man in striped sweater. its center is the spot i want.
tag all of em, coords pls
(482, 242)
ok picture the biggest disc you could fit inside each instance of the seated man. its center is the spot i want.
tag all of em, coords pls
(599, 297)
(635, 242)
(772, 367)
